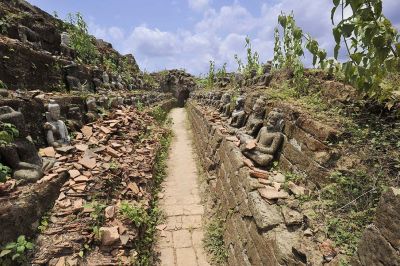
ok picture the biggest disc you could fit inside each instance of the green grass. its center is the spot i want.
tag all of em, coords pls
(214, 241)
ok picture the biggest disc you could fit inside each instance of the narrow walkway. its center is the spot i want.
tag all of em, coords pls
(180, 243)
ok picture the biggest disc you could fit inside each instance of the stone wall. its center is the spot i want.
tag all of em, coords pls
(257, 232)
(279, 232)
(380, 244)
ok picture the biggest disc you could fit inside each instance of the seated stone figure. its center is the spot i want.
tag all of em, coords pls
(56, 130)
(225, 105)
(255, 121)
(21, 154)
(268, 140)
(216, 99)
(238, 115)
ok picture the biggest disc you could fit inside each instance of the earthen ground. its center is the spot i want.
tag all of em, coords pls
(180, 244)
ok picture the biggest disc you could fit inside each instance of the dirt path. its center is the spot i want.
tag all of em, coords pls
(181, 241)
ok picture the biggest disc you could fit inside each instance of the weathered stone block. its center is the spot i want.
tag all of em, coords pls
(387, 218)
(282, 241)
(374, 249)
(267, 216)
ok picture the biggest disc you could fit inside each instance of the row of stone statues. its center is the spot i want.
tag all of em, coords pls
(22, 156)
(260, 135)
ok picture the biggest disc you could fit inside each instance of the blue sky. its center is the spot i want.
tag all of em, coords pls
(165, 34)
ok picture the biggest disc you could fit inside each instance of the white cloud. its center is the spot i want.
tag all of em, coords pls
(116, 33)
(198, 5)
(220, 34)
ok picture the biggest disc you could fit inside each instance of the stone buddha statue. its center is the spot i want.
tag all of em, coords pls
(56, 130)
(225, 105)
(268, 140)
(216, 99)
(255, 121)
(21, 154)
(92, 111)
(238, 115)
(225, 99)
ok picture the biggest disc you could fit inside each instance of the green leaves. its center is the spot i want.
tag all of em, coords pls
(81, 41)
(15, 251)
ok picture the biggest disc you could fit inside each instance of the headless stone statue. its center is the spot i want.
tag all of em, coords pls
(268, 140)
(20, 155)
(238, 115)
(56, 130)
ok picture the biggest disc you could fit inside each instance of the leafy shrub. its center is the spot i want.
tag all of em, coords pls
(253, 66)
(80, 40)
(211, 75)
(372, 44)
(221, 73)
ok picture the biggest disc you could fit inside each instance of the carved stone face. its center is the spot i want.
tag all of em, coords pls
(226, 98)
(91, 105)
(239, 103)
(54, 110)
(274, 122)
(259, 108)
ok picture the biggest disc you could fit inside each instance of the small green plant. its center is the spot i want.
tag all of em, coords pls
(214, 241)
(346, 232)
(5, 173)
(44, 223)
(3, 85)
(211, 75)
(139, 106)
(80, 40)
(114, 165)
(221, 73)
(15, 252)
(4, 25)
(8, 132)
(135, 213)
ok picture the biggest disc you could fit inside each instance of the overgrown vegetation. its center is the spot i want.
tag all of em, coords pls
(159, 114)
(8, 132)
(214, 241)
(147, 218)
(80, 40)
(253, 66)
(15, 252)
(372, 44)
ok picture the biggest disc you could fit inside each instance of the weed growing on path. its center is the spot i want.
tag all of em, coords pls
(214, 241)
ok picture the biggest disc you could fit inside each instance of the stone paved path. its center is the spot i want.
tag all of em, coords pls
(181, 243)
